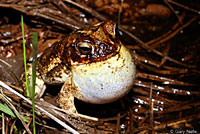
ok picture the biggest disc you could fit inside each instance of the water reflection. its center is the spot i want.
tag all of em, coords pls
(188, 92)
(166, 82)
(139, 101)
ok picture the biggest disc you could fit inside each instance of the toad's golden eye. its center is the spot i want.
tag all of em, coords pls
(84, 48)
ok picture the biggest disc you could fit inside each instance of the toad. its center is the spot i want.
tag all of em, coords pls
(93, 64)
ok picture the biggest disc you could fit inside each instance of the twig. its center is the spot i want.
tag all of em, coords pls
(163, 79)
(168, 124)
(185, 7)
(144, 59)
(56, 20)
(87, 9)
(12, 126)
(3, 123)
(33, 11)
(176, 122)
(28, 125)
(13, 86)
(131, 121)
(5, 63)
(151, 103)
(70, 113)
(166, 89)
(118, 124)
(161, 100)
(119, 13)
(173, 11)
(166, 51)
(182, 106)
(162, 71)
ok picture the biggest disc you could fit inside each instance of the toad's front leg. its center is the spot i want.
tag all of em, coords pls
(66, 96)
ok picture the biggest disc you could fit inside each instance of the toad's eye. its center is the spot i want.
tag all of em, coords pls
(84, 48)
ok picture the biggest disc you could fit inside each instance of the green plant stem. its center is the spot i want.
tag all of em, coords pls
(24, 50)
(34, 64)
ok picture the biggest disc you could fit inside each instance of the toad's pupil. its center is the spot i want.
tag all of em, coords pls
(84, 50)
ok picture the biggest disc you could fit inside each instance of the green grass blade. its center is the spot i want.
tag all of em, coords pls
(34, 64)
(7, 110)
(4, 108)
(24, 50)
